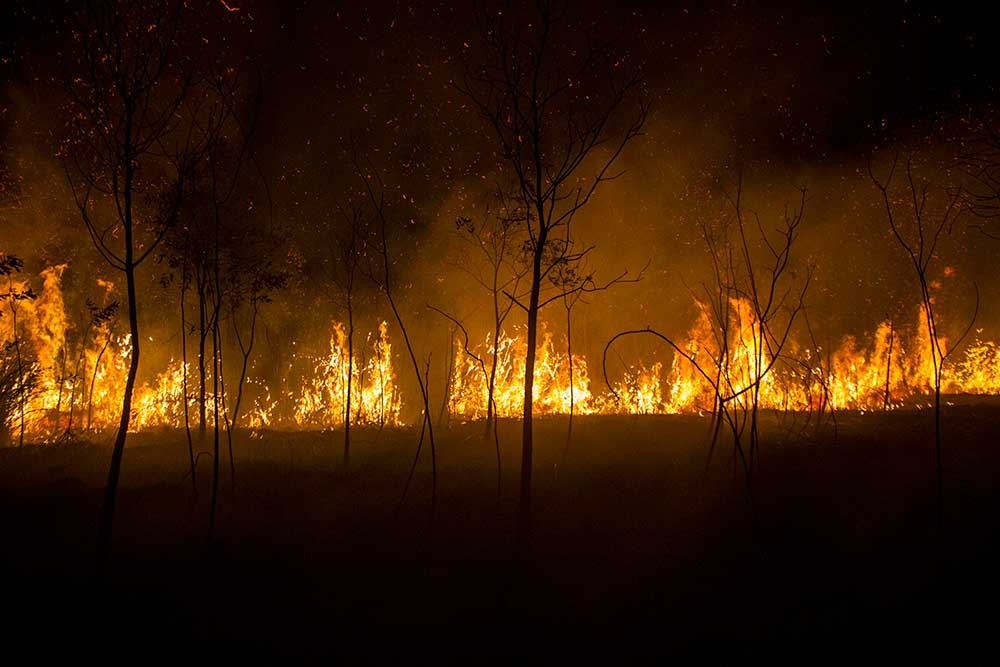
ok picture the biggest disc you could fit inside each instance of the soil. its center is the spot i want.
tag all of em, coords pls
(642, 548)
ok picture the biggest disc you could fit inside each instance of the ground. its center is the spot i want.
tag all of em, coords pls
(641, 548)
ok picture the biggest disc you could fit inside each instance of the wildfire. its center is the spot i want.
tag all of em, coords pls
(374, 398)
(894, 367)
(551, 392)
(79, 368)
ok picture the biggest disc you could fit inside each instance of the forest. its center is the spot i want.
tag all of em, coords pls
(498, 331)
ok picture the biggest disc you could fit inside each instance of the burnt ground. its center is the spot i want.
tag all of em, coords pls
(639, 550)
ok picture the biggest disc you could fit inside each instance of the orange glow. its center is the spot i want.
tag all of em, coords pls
(83, 370)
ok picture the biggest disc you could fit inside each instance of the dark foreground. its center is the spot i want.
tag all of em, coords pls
(639, 551)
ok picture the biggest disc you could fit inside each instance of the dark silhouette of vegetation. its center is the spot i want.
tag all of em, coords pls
(132, 138)
(752, 300)
(559, 147)
(919, 227)
(18, 372)
(497, 240)
(374, 189)
(979, 160)
(351, 250)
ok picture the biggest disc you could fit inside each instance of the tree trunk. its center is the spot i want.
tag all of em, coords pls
(572, 401)
(111, 489)
(202, 335)
(215, 429)
(20, 367)
(350, 374)
(888, 367)
(491, 414)
(80, 361)
(93, 380)
(184, 369)
(114, 471)
(523, 529)
(449, 363)
(62, 381)
(937, 451)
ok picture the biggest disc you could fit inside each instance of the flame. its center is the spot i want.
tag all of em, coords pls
(895, 366)
(551, 391)
(374, 397)
(83, 369)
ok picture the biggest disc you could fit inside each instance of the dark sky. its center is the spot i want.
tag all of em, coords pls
(822, 78)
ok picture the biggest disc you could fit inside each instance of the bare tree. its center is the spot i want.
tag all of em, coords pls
(239, 259)
(497, 240)
(560, 118)
(752, 300)
(571, 279)
(918, 227)
(979, 160)
(131, 144)
(351, 247)
(374, 189)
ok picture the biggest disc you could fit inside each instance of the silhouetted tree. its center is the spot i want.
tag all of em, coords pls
(374, 190)
(571, 279)
(353, 243)
(560, 115)
(753, 299)
(979, 161)
(133, 142)
(918, 227)
(497, 240)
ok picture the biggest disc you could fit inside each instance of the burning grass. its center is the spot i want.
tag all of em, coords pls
(81, 372)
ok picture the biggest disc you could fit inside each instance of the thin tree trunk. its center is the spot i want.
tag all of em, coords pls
(184, 376)
(937, 451)
(491, 414)
(93, 380)
(569, 356)
(420, 381)
(246, 353)
(350, 374)
(62, 380)
(215, 426)
(76, 374)
(444, 413)
(888, 367)
(114, 472)
(523, 525)
(20, 365)
(202, 335)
